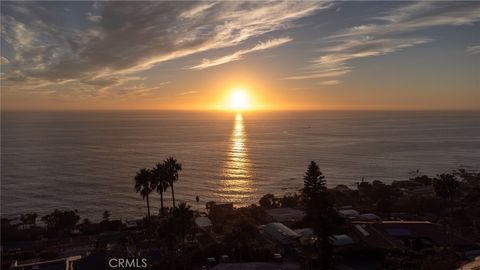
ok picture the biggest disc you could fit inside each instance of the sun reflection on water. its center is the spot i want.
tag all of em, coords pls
(236, 186)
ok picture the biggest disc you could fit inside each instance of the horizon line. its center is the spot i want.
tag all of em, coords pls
(242, 111)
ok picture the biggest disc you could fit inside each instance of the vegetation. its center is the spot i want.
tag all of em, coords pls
(320, 214)
(143, 186)
(61, 222)
(160, 182)
(172, 168)
(159, 178)
(237, 232)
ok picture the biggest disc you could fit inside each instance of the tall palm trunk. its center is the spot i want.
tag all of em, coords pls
(161, 201)
(173, 195)
(148, 207)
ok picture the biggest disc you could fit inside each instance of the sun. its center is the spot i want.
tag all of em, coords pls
(239, 100)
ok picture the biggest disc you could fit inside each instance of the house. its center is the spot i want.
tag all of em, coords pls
(348, 213)
(285, 215)
(221, 208)
(280, 233)
(57, 264)
(306, 236)
(256, 266)
(341, 240)
(404, 234)
(369, 217)
(204, 223)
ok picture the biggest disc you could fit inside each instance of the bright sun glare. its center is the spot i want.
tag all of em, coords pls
(239, 100)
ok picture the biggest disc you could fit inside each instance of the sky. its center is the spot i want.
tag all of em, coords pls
(309, 55)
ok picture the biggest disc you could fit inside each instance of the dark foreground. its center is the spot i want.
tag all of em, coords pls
(420, 223)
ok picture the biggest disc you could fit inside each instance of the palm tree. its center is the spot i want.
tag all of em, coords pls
(172, 167)
(143, 185)
(159, 182)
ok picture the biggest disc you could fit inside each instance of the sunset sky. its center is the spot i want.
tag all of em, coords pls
(282, 55)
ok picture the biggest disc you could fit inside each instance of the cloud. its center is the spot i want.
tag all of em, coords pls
(332, 82)
(93, 18)
(3, 60)
(206, 63)
(388, 33)
(118, 39)
(189, 93)
(473, 50)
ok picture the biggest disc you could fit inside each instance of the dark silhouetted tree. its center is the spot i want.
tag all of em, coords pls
(143, 186)
(445, 186)
(268, 201)
(61, 222)
(29, 219)
(106, 215)
(160, 182)
(172, 168)
(313, 181)
(174, 228)
(320, 214)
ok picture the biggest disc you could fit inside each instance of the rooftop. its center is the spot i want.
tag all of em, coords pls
(203, 222)
(286, 214)
(280, 233)
(255, 266)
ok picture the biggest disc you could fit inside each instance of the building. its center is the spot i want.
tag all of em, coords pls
(404, 234)
(203, 223)
(473, 265)
(57, 264)
(223, 208)
(341, 240)
(280, 233)
(348, 213)
(256, 266)
(285, 215)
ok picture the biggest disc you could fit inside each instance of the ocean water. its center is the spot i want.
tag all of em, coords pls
(87, 160)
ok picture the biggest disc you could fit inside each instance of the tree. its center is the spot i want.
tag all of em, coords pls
(160, 182)
(268, 201)
(289, 200)
(172, 168)
(61, 222)
(313, 181)
(183, 218)
(174, 228)
(320, 214)
(210, 205)
(197, 199)
(106, 215)
(242, 236)
(29, 219)
(445, 186)
(143, 186)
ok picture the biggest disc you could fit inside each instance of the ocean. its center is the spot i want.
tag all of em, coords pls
(87, 160)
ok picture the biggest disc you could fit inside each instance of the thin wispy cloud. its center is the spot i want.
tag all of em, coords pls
(473, 49)
(120, 39)
(188, 93)
(4, 60)
(389, 32)
(331, 82)
(272, 43)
